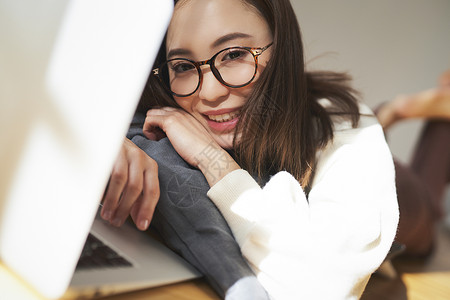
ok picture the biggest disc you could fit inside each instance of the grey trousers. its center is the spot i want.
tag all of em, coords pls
(192, 226)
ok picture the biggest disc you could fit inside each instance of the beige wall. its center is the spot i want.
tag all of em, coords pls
(389, 47)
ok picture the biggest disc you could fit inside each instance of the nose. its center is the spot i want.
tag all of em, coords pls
(211, 89)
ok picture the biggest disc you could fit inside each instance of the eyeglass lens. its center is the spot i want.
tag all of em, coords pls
(236, 67)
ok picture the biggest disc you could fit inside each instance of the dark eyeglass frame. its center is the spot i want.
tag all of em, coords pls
(256, 52)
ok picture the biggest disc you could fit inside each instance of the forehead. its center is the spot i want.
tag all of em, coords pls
(201, 22)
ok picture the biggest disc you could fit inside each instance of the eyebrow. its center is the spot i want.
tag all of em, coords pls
(178, 52)
(229, 37)
(220, 41)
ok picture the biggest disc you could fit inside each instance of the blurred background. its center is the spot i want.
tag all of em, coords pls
(388, 47)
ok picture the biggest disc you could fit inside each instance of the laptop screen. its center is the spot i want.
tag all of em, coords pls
(71, 76)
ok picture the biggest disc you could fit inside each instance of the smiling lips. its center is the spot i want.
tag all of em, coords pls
(222, 121)
(223, 117)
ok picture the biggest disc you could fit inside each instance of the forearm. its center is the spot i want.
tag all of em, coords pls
(191, 224)
(340, 234)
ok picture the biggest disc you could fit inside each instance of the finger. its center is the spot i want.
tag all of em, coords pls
(135, 209)
(150, 198)
(167, 116)
(131, 193)
(152, 125)
(162, 110)
(155, 134)
(115, 187)
(168, 109)
(143, 209)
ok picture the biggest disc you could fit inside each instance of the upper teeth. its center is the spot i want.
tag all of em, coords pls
(223, 117)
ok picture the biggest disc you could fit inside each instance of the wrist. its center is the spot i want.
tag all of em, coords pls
(214, 162)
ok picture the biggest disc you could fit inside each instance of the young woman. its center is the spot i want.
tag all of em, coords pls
(299, 168)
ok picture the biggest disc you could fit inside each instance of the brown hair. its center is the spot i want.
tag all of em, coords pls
(282, 124)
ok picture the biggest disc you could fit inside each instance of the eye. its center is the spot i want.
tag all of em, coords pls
(182, 67)
(235, 54)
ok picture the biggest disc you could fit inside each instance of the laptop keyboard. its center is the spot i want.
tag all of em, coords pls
(96, 254)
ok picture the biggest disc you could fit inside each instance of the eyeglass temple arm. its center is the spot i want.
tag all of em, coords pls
(259, 51)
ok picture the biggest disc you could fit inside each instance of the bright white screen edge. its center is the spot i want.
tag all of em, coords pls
(71, 114)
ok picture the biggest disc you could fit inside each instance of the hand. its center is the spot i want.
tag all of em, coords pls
(133, 188)
(186, 134)
(191, 140)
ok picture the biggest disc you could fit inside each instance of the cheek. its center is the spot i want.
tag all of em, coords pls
(241, 95)
(244, 93)
(263, 61)
(261, 67)
(184, 103)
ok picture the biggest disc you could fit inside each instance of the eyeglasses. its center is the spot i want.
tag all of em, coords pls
(234, 67)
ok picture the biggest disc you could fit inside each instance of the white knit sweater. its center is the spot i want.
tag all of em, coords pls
(326, 246)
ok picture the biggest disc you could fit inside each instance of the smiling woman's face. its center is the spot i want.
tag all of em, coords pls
(198, 30)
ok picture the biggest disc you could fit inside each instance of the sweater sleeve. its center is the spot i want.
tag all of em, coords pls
(326, 246)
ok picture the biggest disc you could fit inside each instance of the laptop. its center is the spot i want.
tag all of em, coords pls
(71, 75)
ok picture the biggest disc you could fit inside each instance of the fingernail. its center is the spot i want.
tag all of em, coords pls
(143, 225)
(116, 222)
(107, 215)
